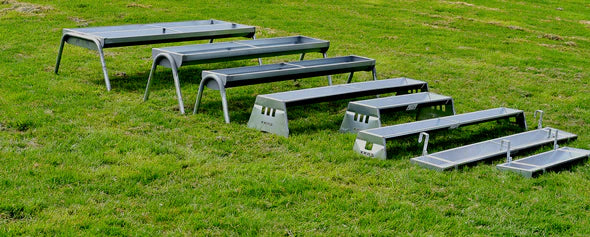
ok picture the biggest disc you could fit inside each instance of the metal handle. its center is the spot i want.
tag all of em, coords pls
(540, 123)
(508, 157)
(425, 148)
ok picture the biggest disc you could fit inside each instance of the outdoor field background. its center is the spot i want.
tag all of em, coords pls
(77, 160)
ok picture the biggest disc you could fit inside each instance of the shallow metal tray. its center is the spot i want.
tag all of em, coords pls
(540, 163)
(456, 157)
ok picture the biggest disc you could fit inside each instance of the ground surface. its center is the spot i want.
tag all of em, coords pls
(78, 159)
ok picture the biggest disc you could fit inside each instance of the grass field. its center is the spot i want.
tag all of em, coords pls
(76, 159)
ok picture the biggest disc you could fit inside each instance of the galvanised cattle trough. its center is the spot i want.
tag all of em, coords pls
(469, 154)
(98, 38)
(177, 56)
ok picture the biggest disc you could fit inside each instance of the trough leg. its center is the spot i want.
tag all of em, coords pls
(59, 52)
(199, 94)
(104, 66)
(374, 74)
(224, 103)
(301, 57)
(259, 59)
(211, 40)
(350, 77)
(172, 63)
(221, 92)
(329, 76)
(178, 93)
(146, 95)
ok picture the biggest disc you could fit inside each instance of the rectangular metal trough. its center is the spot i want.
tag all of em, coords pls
(366, 114)
(98, 38)
(270, 111)
(540, 163)
(469, 154)
(243, 49)
(177, 56)
(242, 76)
(379, 136)
(251, 75)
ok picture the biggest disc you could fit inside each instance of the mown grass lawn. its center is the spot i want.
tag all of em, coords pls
(76, 159)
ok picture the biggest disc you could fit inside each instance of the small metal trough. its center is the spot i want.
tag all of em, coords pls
(366, 114)
(270, 111)
(242, 76)
(98, 38)
(379, 136)
(540, 163)
(177, 56)
(469, 154)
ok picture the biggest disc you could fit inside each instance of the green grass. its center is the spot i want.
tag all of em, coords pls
(77, 160)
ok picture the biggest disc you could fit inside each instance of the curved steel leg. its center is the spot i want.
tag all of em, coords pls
(157, 60)
(221, 92)
(59, 52)
(104, 65)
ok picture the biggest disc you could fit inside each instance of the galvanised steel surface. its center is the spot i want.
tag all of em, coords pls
(177, 56)
(366, 114)
(241, 76)
(270, 111)
(379, 136)
(469, 154)
(540, 163)
(98, 38)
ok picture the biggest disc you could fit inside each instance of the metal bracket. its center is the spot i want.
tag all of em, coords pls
(540, 123)
(425, 148)
(377, 151)
(508, 157)
(354, 122)
(269, 119)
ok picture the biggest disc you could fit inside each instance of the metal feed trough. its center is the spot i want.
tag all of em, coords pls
(469, 154)
(366, 114)
(378, 136)
(177, 56)
(242, 76)
(540, 163)
(270, 111)
(98, 38)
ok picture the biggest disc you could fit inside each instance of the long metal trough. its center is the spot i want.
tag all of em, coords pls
(540, 163)
(366, 114)
(469, 154)
(242, 76)
(98, 38)
(177, 56)
(270, 111)
(379, 136)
